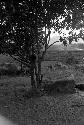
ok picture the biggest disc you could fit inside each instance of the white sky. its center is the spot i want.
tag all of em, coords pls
(55, 36)
(64, 33)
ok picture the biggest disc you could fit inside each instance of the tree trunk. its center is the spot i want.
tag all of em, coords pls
(39, 80)
(21, 67)
(32, 76)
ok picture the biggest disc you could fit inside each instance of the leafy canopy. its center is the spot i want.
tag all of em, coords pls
(21, 22)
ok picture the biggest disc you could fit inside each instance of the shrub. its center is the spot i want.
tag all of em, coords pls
(60, 86)
(70, 59)
(3, 72)
(9, 69)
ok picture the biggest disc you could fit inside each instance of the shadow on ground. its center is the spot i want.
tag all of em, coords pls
(58, 87)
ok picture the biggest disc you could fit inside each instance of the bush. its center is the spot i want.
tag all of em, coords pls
(62, 86)
(70, 59)
(3, 71)
(9, 69)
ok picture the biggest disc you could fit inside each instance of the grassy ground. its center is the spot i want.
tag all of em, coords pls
(52, 109)
(56, 109)
(61, 73)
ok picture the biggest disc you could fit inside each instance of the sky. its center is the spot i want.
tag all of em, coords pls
(55, 36)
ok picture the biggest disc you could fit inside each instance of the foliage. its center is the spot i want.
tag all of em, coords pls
(9, 69)
(22, 24)
(70, 59)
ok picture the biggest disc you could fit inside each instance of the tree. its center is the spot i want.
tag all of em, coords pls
(22, 37)
(22, 24)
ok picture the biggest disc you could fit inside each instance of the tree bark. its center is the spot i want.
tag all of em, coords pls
(32, 76)
(32, 67)
(39, 73)
(21, 67)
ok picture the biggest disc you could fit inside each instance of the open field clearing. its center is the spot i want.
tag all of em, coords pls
(62, 55)
(57, 73)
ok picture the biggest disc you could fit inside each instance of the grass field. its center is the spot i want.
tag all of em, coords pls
(61, 55)
(56, 109)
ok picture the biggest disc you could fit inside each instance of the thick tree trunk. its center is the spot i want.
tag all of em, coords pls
(39, 78)
(32, 76)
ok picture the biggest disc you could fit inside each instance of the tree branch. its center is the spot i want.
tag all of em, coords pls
(44, 52)
(51, 44)
(19, 60)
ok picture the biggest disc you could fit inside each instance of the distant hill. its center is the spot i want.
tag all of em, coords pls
(72, 47)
